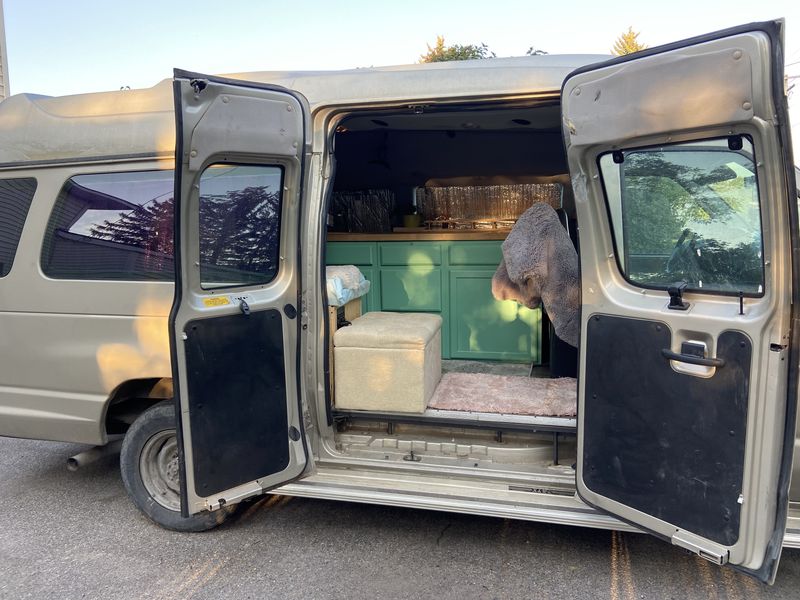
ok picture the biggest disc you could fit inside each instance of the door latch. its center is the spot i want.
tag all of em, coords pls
(703, 548)
(675, 292)
(244, 307)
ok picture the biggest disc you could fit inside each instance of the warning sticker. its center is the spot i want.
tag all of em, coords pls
(216, 301)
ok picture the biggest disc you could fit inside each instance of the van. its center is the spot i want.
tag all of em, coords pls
(567, 289)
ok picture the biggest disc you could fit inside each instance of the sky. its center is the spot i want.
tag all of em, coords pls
(58, 47)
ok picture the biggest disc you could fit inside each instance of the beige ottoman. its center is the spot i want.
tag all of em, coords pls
(388, 362)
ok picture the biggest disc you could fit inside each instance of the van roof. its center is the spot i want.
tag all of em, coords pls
(36, 128)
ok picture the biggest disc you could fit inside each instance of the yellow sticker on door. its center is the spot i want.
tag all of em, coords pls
(216, 301)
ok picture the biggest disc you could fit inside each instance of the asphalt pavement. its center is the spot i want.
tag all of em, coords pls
(76, 535)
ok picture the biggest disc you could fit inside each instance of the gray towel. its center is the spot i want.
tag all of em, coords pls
(540, 266)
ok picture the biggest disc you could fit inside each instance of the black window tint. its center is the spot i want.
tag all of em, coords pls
(15, 200)
(112, 226)
(240, 211)
(687, 212)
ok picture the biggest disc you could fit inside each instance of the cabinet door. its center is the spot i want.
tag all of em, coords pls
(411, 289)
(371, 301)
(484, 328)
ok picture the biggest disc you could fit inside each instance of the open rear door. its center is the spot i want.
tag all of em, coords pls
(239, 168)
(681, 167)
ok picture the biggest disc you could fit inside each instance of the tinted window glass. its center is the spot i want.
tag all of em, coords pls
(112, 226)
(240, 211)
(15, 200)
(687, 212)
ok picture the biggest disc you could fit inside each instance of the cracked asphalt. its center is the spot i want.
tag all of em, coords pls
(75, 535)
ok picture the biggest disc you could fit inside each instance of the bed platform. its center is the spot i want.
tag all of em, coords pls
(488, 394)
(452, 418)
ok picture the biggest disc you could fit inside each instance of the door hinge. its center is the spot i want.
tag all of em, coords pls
(198, 85)
(702, 547)
(325, 168)
(303, 312)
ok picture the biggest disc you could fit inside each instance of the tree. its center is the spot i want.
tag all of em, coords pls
(534, 51)
(627, 43)
(441, 53)
(147, 227)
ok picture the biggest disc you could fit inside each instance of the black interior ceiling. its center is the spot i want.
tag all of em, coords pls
(453, 147)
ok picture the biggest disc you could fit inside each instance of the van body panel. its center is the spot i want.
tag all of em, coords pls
(67, 345)
(66, 367)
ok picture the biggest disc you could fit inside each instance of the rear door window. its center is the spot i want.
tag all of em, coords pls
(240, 221)
(687, 212)
(15, 201)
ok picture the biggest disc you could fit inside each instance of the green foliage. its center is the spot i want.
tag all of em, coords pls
(627, 43)
(686, 219)
(534, 51)
(655, 215)
(441, 53)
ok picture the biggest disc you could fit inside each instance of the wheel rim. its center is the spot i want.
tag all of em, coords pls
(160, 469)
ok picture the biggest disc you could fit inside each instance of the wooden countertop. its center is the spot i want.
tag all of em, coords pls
(422, 236)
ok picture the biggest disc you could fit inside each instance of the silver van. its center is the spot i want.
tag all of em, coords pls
(583, 289)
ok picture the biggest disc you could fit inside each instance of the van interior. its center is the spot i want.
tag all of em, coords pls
(462, 176)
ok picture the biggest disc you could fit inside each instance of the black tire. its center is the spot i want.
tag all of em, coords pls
(156, 425)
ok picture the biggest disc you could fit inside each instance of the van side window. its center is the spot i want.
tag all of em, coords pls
(687, 212)
(240, 217)
(15, 200)
(114, 226)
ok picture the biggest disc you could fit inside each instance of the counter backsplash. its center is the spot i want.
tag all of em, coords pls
(455, 207)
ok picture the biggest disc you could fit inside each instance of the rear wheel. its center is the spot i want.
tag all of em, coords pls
(151, 472)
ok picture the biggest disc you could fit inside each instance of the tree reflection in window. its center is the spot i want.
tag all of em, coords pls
(115, 226)
(148, 227)
(119, 226)
(240, 208)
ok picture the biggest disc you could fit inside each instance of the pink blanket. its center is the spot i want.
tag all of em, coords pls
(506, 394)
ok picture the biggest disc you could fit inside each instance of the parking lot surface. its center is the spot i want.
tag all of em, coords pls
(76, 535)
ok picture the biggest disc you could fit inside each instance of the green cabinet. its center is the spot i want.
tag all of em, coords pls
(453, 279)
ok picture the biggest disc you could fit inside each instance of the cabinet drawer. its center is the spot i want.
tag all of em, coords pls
(350, 253)
(411, 253)
(476, 253)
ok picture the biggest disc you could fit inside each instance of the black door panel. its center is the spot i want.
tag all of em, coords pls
(666, 443)
(237, 399)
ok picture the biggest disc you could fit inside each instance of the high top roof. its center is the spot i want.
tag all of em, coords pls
(140, 122)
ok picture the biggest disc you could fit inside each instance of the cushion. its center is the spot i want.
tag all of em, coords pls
(345, 283)
(389, 330)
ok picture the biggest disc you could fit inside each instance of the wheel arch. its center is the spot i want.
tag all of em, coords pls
(131, 398)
